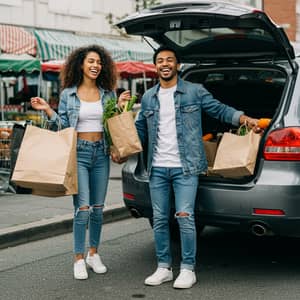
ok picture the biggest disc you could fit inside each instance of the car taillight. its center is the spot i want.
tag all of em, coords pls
(128, 196)
(283, 144)
(270, 212)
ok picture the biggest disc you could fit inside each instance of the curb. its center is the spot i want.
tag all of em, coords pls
(20, 234)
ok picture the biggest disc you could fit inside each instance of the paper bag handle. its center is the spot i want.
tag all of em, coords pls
(243, 129)
(46, 124)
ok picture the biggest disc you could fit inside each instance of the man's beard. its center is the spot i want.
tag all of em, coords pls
(168, 78)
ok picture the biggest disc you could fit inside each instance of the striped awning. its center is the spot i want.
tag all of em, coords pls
(55, 45)
(16, 40)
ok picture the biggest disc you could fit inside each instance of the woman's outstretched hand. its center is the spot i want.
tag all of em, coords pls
(41, 104)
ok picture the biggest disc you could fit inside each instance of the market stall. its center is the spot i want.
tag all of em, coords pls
(11, 68)
(135, 71)
(14, 66)
(50, 74)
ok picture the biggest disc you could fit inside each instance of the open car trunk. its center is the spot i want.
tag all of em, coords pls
(255, 90)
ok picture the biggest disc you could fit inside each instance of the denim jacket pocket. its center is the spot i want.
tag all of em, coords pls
(191, 118)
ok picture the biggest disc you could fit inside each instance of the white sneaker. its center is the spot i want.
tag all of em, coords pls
(80, 269)
(185, 280)
(95, 263)
(159, 276)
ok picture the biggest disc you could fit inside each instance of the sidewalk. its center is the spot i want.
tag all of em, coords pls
(25, 218)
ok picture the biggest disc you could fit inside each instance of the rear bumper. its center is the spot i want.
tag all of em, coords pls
(237, 215)
(231, 205)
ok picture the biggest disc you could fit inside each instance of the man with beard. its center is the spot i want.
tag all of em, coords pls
(169, 126)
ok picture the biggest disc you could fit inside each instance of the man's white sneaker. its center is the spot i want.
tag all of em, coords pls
(80, 269)
(95, 263)
(159, 276)
(185, 280)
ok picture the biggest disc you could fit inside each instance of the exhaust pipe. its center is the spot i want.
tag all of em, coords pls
(135, 213)
(259, 229)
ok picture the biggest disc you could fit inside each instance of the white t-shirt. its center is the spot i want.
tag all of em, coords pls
(90, 117)
(166, 153)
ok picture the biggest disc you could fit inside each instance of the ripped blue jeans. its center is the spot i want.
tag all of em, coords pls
(162, 180)
(93, 174)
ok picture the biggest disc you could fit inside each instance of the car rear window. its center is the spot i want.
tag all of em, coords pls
(186, 37)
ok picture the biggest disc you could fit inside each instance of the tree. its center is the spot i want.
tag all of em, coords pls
(139, 5)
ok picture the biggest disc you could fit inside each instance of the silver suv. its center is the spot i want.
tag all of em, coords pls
(246, 61)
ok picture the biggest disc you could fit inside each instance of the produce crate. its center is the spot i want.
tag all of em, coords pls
(5, 138)
(6, 128)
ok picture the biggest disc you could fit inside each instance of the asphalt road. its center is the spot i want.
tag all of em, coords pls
(230, 266)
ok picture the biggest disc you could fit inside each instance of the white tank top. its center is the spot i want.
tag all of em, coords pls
(90, 117)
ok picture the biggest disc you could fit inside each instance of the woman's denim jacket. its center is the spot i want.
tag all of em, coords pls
(69, 106)
(190, 99)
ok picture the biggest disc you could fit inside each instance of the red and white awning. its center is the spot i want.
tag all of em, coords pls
(136, 69)
(16, 40)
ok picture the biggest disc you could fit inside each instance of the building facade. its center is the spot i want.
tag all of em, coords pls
(284, 13)
(88, 16)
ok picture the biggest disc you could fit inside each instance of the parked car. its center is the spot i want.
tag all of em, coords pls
(246, 61)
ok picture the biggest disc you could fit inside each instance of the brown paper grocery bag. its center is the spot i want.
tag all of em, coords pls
(47, 162)
(124, 134)
(210, 148)
(236, 155)
(210, 152)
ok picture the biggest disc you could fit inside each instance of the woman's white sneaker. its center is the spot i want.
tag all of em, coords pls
(95, 263)
(80, 269)
(160, 276)
(185, 280)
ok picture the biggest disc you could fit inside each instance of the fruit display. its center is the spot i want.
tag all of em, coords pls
(5, 138)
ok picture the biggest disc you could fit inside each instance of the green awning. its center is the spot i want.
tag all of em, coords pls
(14, 64)
(56, 45)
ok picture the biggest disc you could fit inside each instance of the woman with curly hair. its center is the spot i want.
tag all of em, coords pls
(88, 81)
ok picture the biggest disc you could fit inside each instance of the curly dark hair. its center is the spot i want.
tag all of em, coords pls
(71, 74)
(166, 48)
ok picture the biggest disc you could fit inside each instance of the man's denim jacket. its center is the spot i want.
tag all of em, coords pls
(69, 106)
(190, 99)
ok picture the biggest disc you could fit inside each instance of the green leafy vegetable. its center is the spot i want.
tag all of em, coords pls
(130, 103)
(243, 130)
(111, 109)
